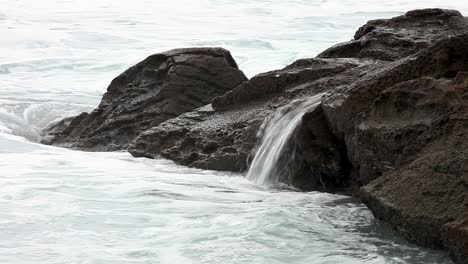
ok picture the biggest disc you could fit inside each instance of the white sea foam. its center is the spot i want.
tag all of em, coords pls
(64, 206)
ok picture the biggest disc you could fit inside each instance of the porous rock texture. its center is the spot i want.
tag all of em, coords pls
(222, 136)
(455, 235)
(159, 88)
(401, 131)
(392, 126)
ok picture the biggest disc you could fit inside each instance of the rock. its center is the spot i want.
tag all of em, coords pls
(159, 88)
(455, 236)
(204, 138)
(399, 37)
(295, 76)
(379, 118)
(223, 138)
(398, 135)
(321, 161)
(346, 108)
(392, 127)
(421, 164)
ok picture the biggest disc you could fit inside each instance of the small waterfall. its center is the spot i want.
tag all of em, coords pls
(268, 165)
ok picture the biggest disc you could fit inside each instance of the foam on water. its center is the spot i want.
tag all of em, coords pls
(63, 206)
(64, 53)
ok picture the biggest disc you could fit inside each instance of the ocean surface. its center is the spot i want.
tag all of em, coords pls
(65, 206)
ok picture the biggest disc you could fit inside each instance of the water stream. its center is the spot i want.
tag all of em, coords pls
(60, 206)
(266, 167)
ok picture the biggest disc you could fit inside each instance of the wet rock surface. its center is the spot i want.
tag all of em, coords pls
(455, 236)
(392, 127)
(421, 164)
(404, 127)
(224, 136)
(399, 37)
(159, 88)
(204, 138)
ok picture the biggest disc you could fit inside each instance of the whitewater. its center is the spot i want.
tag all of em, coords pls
(65, 206)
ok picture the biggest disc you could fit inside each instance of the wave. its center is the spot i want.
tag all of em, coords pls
(242, 43)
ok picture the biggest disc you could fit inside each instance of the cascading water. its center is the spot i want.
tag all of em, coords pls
(266, 167)
(65, 206)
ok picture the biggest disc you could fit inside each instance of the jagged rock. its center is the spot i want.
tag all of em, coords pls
(455, 236)
(345, 108)
(223, 138)
(399, 37)
(404, 129)
(204, 138)
(159, 88)
(417, 134)
(300, 73)
(368, 113)
(393, 125)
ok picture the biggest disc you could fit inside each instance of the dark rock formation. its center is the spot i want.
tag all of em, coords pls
(204, 138)
(352, 153)
(321, 160)
(293, 78)
(392, 127)
(455, 235)
(423, 126)
(399, 37)
(159, 88)
(382, 117)
(223, 139)
(404, 130)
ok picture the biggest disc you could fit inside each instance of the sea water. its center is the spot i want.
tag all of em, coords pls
(65, 206)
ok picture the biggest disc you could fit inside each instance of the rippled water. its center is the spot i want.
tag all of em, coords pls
(63, 206)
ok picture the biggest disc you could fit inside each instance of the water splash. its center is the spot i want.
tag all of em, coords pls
(267, 166)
